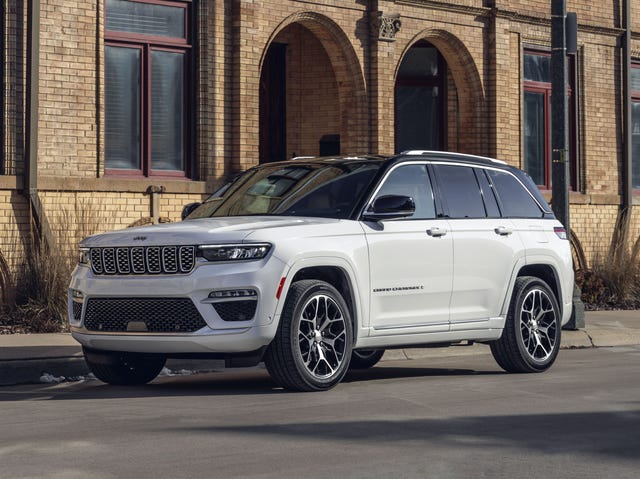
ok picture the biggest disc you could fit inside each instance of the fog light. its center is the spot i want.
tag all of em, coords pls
(233, 294)
(77, 296)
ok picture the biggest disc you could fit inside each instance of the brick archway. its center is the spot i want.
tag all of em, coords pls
(471, 94)
(347, 70)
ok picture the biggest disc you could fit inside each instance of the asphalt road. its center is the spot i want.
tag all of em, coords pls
(450, 417)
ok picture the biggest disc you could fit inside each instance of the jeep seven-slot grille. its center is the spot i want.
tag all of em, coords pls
(157, 315)
(143, 260)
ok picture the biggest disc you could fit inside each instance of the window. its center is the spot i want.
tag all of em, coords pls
(420, 99)
(147, 58)
(460, 191)
(413, 181)
(516, 202)
(537, 118)
(635, 124)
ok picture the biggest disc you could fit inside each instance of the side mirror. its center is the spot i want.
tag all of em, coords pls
(389, 207)
(188, 209)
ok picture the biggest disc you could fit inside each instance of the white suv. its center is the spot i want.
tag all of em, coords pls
(317, 265)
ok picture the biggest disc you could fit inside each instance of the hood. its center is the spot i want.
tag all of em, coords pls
(199, 231)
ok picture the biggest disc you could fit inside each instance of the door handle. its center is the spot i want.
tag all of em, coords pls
(436, 232)
(503, 231)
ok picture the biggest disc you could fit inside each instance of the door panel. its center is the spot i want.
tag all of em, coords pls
(410, 275)
(411, 260)
(484, 252)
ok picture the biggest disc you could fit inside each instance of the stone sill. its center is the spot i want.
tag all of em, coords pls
(115, 185)
(587, 199)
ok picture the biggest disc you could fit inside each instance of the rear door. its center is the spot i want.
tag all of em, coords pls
(485, 246)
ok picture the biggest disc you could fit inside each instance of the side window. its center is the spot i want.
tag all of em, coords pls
(460, 191)
(414, 181)
(490, 202)
(516, 200)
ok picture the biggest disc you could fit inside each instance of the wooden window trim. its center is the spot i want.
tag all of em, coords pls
(147, 44)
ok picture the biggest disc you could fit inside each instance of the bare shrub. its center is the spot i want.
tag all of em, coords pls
(42, 277)
(613, 282)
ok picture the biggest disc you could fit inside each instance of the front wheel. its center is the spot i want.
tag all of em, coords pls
(531, 338)
(123, 369)
(312, 347)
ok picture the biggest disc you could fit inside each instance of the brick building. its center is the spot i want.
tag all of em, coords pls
(130, 109)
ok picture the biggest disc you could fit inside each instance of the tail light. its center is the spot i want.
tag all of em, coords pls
(561, 232)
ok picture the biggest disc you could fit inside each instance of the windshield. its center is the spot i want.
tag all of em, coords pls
(327, 190)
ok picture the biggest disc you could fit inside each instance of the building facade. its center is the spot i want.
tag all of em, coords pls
(127, 110)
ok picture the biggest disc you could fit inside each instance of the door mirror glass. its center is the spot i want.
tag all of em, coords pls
(391, 206)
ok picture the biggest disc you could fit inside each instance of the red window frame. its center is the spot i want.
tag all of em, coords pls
(635, 98)
(545, 88)
(147, 44)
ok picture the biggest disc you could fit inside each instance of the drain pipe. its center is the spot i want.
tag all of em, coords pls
(30, 182)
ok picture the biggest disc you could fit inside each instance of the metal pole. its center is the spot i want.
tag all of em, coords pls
(559, 114)
(33, 82)
(627, 168)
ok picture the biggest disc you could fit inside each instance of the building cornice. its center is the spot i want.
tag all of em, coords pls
(541, 20)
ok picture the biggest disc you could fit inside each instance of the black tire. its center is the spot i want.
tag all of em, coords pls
(309, 351)
(124, 369)
(365, 358)
(531, 337)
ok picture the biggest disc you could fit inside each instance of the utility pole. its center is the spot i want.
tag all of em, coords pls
(560, 133)
(559, 114)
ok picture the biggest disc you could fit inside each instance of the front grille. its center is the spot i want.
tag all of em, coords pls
(157, 315)
(143, 260)
(77, 311)
(236, 310)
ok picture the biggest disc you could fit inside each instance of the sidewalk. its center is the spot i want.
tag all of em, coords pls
(25, 358)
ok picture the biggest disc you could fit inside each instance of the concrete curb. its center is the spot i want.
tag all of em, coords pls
(30, 371)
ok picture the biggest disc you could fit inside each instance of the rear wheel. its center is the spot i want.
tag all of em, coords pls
(123, 369)
(531, 338)
(312, 347)
(365, 358)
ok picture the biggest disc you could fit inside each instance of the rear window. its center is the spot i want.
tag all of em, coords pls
(516, 202)
(460, 191)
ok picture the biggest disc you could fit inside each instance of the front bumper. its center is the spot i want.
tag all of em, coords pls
(217, 336)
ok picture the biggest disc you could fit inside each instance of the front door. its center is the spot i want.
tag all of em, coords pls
(411, 260)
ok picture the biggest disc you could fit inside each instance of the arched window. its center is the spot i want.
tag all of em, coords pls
(420, 99)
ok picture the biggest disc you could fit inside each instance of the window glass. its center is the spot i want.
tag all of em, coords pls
(420, 62)
(490, 203)
(635, 78)
(635, 129)
(515, 199)
(460, 191)
(122, 107)
(418, 125)
(145, 18)
(534, 136)
(419, 109)
(635, 125)
(147, 88)
(537, 68)
(413, 181)
(167, 111)
(318, 190)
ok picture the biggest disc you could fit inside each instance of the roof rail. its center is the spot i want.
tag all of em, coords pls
(452, 154)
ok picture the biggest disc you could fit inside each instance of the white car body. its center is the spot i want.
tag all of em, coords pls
(407, 283)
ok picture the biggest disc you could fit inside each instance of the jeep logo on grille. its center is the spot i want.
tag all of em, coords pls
(139, 238)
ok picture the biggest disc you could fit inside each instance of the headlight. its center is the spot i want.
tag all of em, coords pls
(233, 252)
(84, 256)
